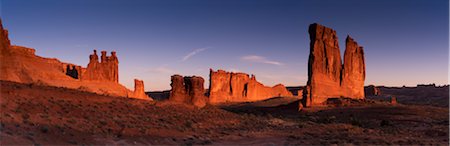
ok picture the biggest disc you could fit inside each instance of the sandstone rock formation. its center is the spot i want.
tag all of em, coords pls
(188, 90)
(371, 90)
(239, 87)
(139, 90)
(327, 76)
(20, 64)
(178, 91)
(105, 70)
(393, 100)
(4, 40)
(353, 70)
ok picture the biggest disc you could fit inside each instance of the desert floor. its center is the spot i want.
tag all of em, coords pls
(37, 114)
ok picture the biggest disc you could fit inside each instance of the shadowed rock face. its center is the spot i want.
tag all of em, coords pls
(239, 87)
(371, 90)
(327, 76)
(188, 90)
(178, 92)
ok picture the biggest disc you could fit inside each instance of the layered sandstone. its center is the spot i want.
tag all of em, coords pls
(188, 90)
(240, 87)
(20, 64)
(327, 76)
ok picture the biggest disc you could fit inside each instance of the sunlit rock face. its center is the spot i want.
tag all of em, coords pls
(327, 76)
(353, 70)
(188, 90)
(105, 70)
(20, 64)
(4, 40)
(240, 87)
(139, 91)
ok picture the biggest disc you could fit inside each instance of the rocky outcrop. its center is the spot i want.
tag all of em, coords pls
(178, 91)
(20, 64)
(4, 40)
(371, 90)
(327, 76)
(353, 70)
(219, 86)
(105, 70)
(188, 90)
(139, 90)
(240, 87)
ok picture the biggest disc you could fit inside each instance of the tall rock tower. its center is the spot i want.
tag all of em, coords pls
(327, 76)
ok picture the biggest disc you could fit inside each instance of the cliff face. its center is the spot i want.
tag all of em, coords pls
(327, 76)
(20, 64)
(324, 65)
(188, 90)
(239, 87)
(354, 70)
(4, 40)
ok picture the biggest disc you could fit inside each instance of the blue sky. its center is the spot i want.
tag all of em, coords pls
(405, 41)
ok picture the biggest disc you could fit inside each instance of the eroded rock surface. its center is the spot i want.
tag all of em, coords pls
(353, 70)
(188, 90)
(20, 64)
(139, 90)
(240, 87)
(327, 76)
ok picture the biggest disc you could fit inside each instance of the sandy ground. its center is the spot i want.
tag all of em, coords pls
(33, 114)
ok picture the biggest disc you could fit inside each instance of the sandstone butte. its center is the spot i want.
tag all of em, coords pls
(188, 90)
(240, 87)
(20, 64)
(327, 76)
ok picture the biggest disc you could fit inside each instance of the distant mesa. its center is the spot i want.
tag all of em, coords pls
(240, 87)
(20, 64)
(372, 90)
(327, 76)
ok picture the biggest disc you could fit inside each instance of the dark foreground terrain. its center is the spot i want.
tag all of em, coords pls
(33, 114)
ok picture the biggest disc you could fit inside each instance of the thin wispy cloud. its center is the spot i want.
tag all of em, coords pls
(196, 51)
(163, 70)
(260, 59)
